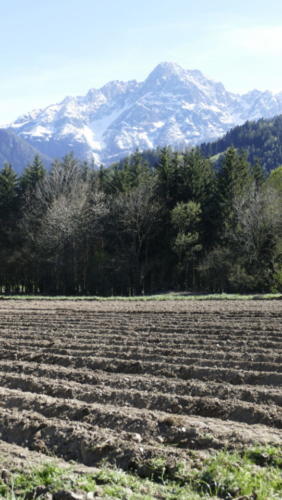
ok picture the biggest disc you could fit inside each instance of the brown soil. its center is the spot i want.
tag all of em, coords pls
(125, 381)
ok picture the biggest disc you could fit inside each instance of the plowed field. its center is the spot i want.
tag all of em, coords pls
(127, 381)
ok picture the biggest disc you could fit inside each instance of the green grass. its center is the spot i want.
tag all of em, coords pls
(254, 474)
(216, 157)
(144, 298)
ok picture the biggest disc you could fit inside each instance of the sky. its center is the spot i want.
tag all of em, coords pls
(53, 48)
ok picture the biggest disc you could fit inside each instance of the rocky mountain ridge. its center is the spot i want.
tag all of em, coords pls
(173, 106)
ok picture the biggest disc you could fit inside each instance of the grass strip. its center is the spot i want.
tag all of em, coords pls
(255, 474)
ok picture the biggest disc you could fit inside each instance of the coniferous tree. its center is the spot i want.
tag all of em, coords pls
(31, 175)
(9, 212)
(154, 221)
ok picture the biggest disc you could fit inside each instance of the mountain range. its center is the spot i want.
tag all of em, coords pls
(173, 106)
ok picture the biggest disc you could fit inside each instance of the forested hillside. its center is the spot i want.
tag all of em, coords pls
(262, 140)
(133, 228)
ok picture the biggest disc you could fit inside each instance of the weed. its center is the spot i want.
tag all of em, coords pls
(252, 474)
(265, 456)
(231, 475)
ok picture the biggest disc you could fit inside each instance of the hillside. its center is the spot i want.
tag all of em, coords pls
(17, 151)
(262, 140)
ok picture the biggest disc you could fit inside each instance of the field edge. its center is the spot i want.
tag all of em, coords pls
(145, 298)
(252, 473)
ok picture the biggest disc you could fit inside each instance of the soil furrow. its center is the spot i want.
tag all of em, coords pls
(127, 381)
(115, 365)
(185, 405)
(257, 394)
(53, 346)
(64, 358)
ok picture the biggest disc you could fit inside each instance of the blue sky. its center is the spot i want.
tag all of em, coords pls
(50, 49)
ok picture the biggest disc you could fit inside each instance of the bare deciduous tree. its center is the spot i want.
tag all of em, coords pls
(137, 213)
(64, 220)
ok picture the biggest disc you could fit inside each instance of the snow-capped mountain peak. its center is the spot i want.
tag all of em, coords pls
(172, 106)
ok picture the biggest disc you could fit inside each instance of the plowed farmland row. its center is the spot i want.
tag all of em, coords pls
(83, 358)
(87, 384)
(127, 381)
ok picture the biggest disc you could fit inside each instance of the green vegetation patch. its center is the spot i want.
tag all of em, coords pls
(255, 474)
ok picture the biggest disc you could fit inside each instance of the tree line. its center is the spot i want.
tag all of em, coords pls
(155, 222)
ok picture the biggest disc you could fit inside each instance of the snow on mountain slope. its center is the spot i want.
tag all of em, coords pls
(172, 106)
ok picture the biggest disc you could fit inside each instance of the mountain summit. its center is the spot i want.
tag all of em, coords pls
(173, 106)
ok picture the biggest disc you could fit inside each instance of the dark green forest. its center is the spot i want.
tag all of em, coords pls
(261, 140)
(156, 222)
